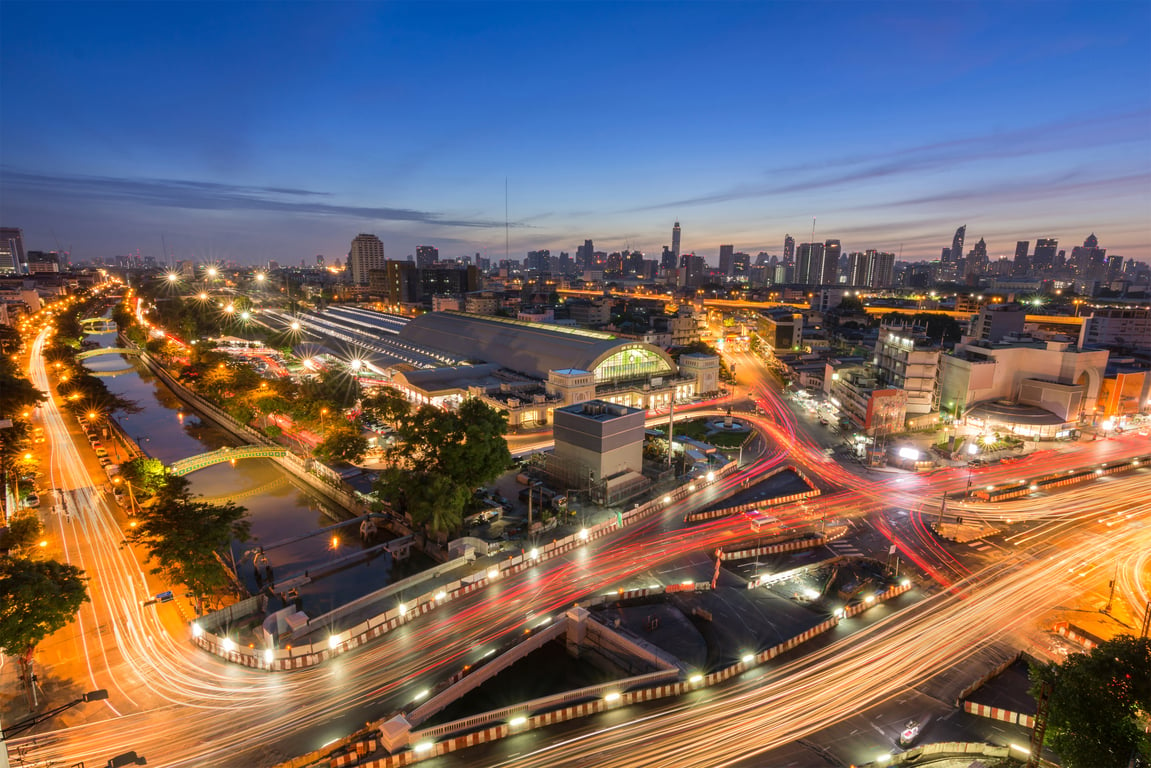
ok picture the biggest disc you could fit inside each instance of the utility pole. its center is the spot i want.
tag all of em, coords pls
(1111, 592)
(671, 426)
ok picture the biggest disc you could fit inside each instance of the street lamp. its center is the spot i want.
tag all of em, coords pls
(34, 720)
(323, 413)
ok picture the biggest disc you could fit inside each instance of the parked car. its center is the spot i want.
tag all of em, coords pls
(100, 452)
(32, 500)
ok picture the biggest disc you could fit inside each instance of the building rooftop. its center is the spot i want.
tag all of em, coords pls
(599, 410)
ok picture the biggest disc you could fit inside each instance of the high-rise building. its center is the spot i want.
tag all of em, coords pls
(12, 259)
(1021, 265)
(675, 234)
(1043, 260)
(957, 245)
(667, 259)
(832, 250)
(319, 261)
(788, 249)
(426, 256)
(1089, 261)
(725, 262)
(367, 253)
(585, 256)
(871, 269)
(740, 264)
(809, 269)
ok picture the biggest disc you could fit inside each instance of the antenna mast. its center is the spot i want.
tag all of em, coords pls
(507, 250)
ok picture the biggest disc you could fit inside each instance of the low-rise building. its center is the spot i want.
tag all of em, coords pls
(599, 448)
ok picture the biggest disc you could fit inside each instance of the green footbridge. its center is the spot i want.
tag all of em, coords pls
(223, 455)
(98, 325)
(107, 351)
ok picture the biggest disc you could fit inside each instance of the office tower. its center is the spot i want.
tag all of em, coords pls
(426, 256)
(320, 261)
(585, 255)
(667, 259)
(675, 233)
(957, 245)
(693, 268)
(882, 270)
(788, 249)
(540, 261)
(367, 253)
(1021, 265)
(12, 259)
(725, 254)
(871, 269)
(1089, 261)
(809, 266)
(740, 264)
(832, 250)
(977, 261)
(1043, 260)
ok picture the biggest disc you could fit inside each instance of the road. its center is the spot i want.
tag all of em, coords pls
(179, 706)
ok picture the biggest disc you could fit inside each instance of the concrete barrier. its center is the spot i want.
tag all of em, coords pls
(300, 657)
(425, 749)
(1076, 635)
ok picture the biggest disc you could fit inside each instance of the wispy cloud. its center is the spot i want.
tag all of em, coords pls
(853, 170)
(201, 195)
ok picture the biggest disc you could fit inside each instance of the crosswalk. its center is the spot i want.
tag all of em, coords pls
(845, 548)
(980, 545)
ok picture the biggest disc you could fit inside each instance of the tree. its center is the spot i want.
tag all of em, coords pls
(24, 528)
(439, 503)
(387, 405)
(186, 537)
(146, 475)
(16, 392)
(37, 597)
(440, 458)
(342, 443)
(1099, 704)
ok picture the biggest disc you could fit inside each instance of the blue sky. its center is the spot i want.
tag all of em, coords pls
(257, 131)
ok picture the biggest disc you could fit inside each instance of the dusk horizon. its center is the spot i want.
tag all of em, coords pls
(249, 135)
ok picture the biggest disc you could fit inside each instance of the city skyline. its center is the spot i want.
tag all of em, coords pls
(252, 135)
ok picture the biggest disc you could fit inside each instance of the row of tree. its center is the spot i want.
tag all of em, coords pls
(38, 595)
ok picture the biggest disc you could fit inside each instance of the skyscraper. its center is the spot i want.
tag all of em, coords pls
(809, 268)
(725, 260)
(426, 256)
(957, 245)
(1043, 260)
(675, 233)
(1020, 265)
(367, 253)
(12, 257)
(832, 250)
(788, 249)
(585, 255)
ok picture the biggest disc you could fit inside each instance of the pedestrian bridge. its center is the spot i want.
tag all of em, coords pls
(202, 460)
(107, 351)
(98, 325)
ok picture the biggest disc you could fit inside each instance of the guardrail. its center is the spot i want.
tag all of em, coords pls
(696, 517)
(1049, 481)
(613, 698)
(311, 654)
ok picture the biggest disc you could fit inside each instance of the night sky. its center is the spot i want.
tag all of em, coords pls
(257, 131)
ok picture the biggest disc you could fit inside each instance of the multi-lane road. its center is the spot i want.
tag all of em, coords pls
(179, 706)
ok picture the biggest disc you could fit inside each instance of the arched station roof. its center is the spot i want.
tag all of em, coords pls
(536, 348)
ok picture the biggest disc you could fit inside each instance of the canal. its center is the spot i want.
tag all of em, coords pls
(279, 506)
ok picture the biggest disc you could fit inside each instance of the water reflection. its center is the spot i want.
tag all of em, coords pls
(279, 506)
